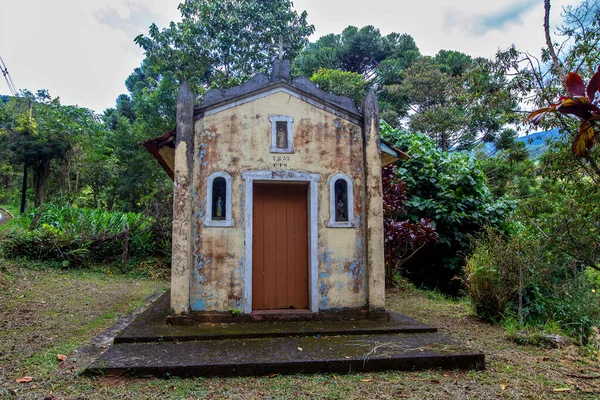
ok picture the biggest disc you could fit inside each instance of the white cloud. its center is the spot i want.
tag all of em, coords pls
(61, 46)
(131, 18)
(479, 22)
(438, 24)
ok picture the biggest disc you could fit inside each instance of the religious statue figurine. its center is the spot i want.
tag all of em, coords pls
(219, 207)
(281, 138)
(339, 214)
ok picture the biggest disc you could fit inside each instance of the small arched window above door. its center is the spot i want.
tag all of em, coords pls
(341, 202)
(218, 200)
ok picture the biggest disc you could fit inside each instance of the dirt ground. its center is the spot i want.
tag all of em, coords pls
(45, 313)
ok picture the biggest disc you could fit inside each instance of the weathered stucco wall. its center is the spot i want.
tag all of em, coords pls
(182, 202)
(239, 139)
(374, 205)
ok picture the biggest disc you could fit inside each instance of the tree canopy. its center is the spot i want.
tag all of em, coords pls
(223, 43)
(457, 100)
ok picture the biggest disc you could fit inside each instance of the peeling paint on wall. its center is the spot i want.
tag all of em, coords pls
(341, 281)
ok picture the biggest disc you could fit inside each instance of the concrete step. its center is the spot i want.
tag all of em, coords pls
(151, 326)
(288, 355)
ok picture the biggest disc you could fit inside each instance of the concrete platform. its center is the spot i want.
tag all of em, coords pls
(150, 326)
(148, 346)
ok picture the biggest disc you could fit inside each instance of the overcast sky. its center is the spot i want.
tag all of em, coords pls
(83, 51)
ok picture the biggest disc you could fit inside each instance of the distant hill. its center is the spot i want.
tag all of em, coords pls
(536, 142)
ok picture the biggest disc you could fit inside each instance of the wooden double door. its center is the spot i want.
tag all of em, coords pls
(280, 246)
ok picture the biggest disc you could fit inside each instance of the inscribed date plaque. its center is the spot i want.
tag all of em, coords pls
(281, 161)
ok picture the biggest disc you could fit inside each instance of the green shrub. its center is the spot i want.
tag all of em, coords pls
(520, 278)
(76, 235)
(575, 307)
(494, 273)
(449, 189)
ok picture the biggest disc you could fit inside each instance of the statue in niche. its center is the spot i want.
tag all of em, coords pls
(339, 210)
(281, 135)
(341, 200)
(220, 206)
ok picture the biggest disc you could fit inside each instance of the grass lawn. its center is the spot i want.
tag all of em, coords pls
(46, 312)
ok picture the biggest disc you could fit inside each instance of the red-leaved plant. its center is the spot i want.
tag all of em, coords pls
(580, 102)
(402, 238)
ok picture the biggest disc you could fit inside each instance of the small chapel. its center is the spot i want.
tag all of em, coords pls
(277, 201)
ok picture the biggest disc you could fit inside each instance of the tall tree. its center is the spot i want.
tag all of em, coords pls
(7, 173)
(42, 140)
(356, 50)
(221, 43)
(148, 110)
(456, 100)
(362, 50)
(402, 53)
(379, 59)
(435, 99)
(325, 52)
(43, 136)
(453, 63)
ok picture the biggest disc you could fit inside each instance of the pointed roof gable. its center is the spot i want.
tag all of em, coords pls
(262, 85)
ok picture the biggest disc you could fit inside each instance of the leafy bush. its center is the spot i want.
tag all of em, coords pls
(519, 278)
(343, 83)
(402, 238)
(450, 190)
(75, 235)
(494, 273)
(575, 307)
(569, 221)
